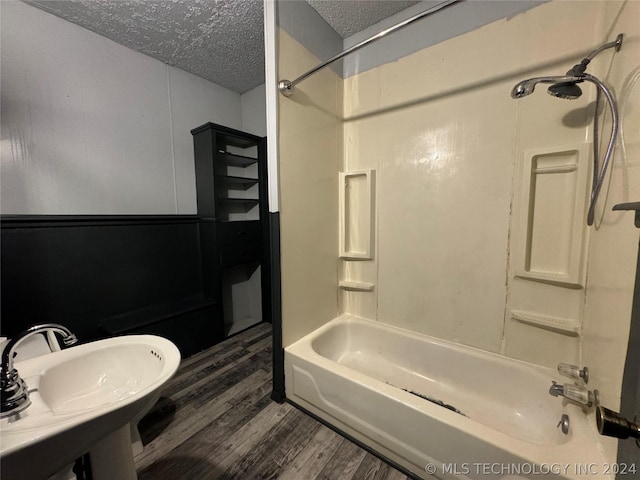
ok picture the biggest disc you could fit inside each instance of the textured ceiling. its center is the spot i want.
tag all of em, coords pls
(219, 40)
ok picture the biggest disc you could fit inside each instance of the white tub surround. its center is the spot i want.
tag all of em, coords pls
(358, 375)
(478, 239)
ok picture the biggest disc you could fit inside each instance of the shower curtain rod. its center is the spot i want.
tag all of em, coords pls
(286, 87)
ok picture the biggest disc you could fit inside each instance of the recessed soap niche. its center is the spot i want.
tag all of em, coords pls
(356, 214)
(356, 224)
(552, 215)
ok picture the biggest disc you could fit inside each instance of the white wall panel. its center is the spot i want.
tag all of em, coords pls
(195, 101)
(84, 121)
(91, 127)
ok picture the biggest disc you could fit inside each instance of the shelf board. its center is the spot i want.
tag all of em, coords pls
(240, 141)
(567, 326)
(239, 325)
(239, 201)
(356, 286)
(242, 181)
(229, 136)
(236, 160)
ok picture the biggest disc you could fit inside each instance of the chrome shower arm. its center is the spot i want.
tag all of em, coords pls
(580, 68)
(617, 43)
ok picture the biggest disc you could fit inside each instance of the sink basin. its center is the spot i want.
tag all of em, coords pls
(80, 396)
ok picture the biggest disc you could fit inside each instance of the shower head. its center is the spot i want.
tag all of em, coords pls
(566, 90)
(523, 88)
(526, 87)
(565, 87)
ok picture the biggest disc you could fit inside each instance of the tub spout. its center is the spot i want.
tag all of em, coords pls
(556, 390)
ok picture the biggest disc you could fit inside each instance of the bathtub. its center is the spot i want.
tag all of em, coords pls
(495, 418)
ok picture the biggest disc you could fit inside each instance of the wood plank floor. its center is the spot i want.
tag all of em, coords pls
(215, 420)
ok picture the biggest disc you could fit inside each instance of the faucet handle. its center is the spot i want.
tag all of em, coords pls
(578, 394)
(70, 340)
(573, 371)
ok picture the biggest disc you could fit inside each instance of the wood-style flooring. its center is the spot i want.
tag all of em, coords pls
(215, 420)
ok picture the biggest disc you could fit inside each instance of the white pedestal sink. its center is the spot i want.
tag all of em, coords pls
(83, 399)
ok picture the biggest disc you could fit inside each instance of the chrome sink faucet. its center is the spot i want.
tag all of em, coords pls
(14, 395)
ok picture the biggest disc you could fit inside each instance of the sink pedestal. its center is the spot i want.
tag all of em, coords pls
(83, 399)
(112, 457)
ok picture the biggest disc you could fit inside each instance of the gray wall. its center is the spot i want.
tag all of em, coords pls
(304, 24)
(450, 22)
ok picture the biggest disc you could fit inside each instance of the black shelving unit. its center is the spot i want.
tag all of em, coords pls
(227, 159)
(231, 183)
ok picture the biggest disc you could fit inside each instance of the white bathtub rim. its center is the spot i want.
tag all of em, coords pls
(418, 467)
(581, 439)
(535, 452)
(532, 371)
(350, 318)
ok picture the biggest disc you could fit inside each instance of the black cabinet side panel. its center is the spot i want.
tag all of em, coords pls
(204, 149)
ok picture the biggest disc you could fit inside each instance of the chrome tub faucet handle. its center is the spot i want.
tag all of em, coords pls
(575, 393)
(573, 371)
